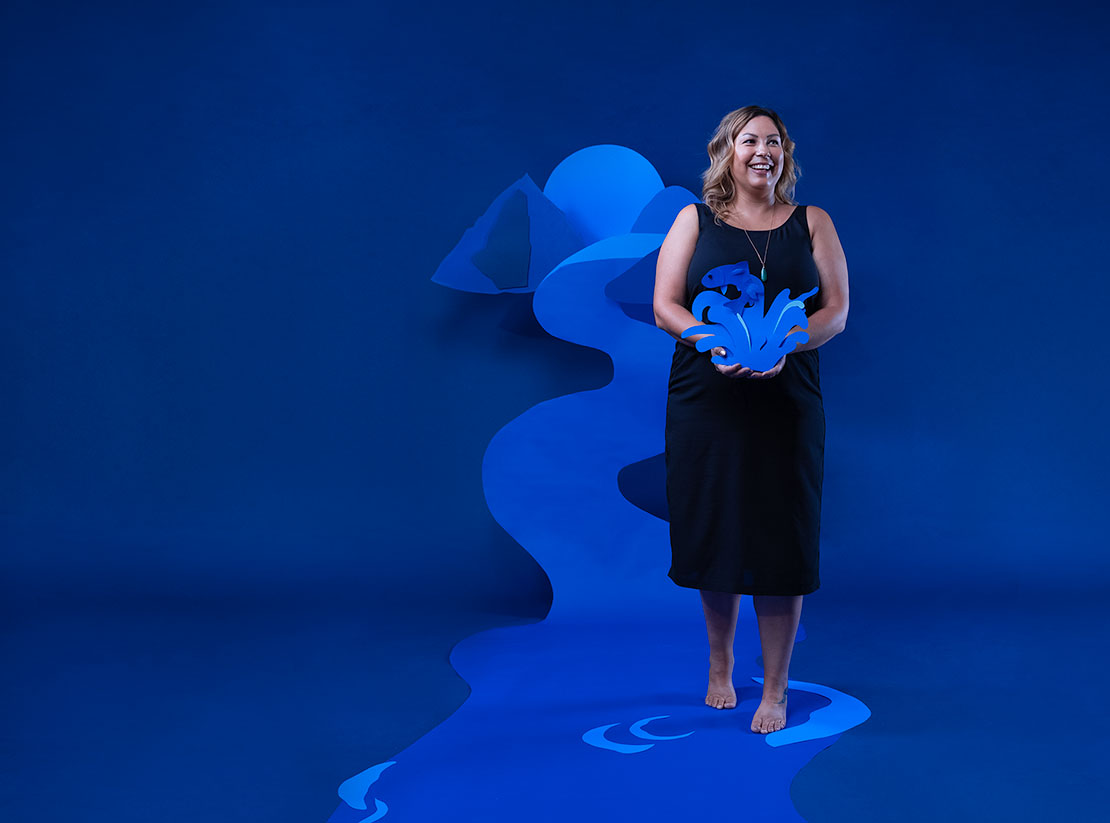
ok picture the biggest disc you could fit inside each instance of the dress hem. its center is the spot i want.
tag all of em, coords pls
(751, 590)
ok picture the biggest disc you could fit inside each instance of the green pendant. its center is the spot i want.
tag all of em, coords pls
(763, 274)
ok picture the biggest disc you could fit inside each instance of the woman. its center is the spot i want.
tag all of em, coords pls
(745, 449)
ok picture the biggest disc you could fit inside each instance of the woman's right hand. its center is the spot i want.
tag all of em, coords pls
(735, 370)
(743, 371)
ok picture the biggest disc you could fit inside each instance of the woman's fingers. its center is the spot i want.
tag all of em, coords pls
(736, 370)
(733, 371)
(763, 375)
(744, 371)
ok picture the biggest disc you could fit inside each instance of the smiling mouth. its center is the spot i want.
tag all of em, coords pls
(759, 166)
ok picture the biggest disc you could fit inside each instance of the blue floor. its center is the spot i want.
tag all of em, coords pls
(984, 707)
(167, 707)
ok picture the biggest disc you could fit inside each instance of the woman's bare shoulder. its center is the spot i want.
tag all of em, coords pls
(686, 222)
(818, 220)
(817, 214)
(688, 212)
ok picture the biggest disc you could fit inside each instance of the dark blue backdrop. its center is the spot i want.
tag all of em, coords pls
(227, 374)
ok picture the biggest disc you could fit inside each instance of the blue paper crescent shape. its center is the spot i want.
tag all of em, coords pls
(596, 737)
(843, 713)
(380, 810)
(637, 729)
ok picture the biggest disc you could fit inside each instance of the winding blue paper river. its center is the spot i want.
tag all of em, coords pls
(598, 710)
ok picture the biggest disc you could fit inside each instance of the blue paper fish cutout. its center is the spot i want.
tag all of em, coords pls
(737, 275)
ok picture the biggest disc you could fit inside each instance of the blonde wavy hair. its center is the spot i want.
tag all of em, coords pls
(718, 187)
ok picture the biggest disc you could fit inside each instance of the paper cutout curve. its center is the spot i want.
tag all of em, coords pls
(637, 729)
(603, 189)
(843, 712)
(596, 736)
(353, 791)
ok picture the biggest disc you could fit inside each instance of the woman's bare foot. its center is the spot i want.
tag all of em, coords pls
(771, 714)
(721, 609)
(721, 694)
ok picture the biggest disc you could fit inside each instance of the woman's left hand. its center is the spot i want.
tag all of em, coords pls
(771, 372)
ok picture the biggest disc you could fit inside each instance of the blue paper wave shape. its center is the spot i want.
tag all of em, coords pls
(620, 638)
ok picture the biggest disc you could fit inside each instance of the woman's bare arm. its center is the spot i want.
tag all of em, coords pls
(832, 269)
(669, 301)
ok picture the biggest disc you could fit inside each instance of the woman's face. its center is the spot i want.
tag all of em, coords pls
(757, 156)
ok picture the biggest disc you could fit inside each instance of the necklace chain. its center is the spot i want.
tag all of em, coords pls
(763, 257)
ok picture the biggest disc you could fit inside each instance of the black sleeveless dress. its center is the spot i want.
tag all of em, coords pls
(745, 458)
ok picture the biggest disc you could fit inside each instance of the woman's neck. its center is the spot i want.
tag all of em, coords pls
(751, 204)
(751, 210)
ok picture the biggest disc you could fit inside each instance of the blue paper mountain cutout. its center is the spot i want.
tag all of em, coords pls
(478, 263)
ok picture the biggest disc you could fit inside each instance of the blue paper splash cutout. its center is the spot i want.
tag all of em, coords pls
(554, 727)
(749, 336)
